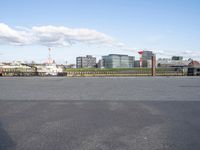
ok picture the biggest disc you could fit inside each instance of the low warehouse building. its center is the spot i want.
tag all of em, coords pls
(194, 68)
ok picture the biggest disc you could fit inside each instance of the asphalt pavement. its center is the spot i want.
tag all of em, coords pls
(100, 113)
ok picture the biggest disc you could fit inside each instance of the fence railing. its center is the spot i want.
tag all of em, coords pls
(99, 73)
(123, 73)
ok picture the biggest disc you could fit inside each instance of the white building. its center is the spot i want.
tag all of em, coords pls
(167, 62)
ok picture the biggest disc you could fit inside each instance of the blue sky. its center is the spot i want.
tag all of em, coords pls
(168, 27)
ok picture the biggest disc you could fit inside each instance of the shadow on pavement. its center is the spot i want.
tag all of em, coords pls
(6, 143)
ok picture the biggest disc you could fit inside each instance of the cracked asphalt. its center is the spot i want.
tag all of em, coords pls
(100, 113)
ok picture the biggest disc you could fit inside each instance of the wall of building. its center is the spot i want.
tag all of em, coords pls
(147, 59)
(147, 63)
(118, 61)
(136, 63)
(86, 62)
(147, 55)
(166, 63)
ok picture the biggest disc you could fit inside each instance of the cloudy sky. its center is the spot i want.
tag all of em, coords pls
(98, 27)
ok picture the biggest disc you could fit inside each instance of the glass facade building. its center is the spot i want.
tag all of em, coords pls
(118, 61)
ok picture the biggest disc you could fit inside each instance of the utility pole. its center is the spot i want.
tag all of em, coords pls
(153, 62)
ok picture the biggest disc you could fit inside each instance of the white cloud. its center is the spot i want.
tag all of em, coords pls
(53, 36)
(60, 36)
(11, 36)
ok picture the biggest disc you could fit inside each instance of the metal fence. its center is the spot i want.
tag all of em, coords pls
(98, 73)
(123, 73)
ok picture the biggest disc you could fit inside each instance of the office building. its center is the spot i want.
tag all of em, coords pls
(147, 55)
(137, 63)
(147, 59)
(86, 62)
(147, 63)
(118, 61)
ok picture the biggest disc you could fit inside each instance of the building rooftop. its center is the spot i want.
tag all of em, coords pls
(117, 55)
(194, 64)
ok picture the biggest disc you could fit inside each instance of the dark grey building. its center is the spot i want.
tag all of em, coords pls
(147, 55)
(146, 59)
(136, 63)
(177, 58)
(86, 62)
(147, 63)
(118, 61)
